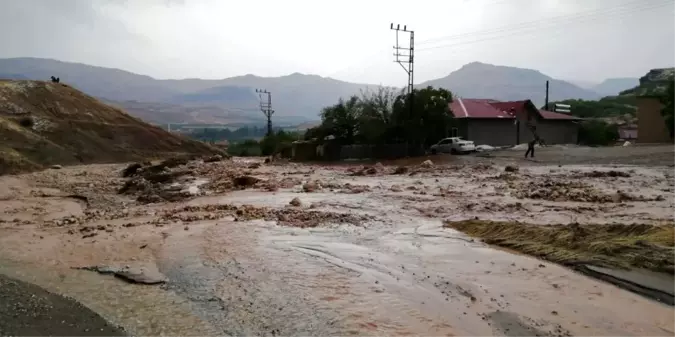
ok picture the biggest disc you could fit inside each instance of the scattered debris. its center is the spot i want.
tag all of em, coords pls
(401, 170)
(427, 164)
(142, 274)
(56, 167)
(295, 202)
(213, 159)
(131, 170)
(245, 181)
(511, 168)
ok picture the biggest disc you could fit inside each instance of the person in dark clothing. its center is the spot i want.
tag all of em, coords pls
(530, 149)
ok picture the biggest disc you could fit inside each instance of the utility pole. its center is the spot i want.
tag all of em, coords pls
(546, 101)
(406, 60)
(266, 107)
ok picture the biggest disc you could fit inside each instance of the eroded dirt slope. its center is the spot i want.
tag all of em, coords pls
(42, 124)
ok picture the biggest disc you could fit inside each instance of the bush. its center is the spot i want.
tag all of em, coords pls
(246, 148)
(27, 122)
(597, 133)
(278, 142)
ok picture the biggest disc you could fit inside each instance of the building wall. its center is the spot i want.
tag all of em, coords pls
(503, 132)
(494, 132)
(651, 126)
(552, 132)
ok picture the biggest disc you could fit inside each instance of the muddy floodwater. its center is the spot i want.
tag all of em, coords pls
(362, 251)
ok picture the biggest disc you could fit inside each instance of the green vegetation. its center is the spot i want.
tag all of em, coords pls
(669, 108)
(611, 245)
(269, 145)
(610, 106)
(595, 132)
(384, 117)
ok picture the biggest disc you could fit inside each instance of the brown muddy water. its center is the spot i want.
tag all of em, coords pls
(399, 273)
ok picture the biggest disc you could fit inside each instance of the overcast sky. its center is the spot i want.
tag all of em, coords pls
(346, 39)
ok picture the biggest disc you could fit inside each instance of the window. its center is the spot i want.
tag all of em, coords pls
(445, 141)
(454, 132)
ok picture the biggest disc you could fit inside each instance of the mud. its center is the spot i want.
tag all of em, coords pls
(360, 255)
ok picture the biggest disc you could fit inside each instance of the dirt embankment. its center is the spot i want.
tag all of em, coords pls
(28, 310)
(44, 124)
(624, 252)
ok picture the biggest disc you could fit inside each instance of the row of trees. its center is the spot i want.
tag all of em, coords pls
(387, 116)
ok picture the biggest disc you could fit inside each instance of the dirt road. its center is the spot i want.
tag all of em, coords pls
(361, 252)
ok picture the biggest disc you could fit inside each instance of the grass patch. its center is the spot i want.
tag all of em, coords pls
(613, 245)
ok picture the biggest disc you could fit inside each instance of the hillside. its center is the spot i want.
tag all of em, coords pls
(298, 95)
(43, 123)
(481, 80)
(296, 98)
(613, 86)
(654, 83)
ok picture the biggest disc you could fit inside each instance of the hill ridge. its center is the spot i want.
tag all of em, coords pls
(43, 124)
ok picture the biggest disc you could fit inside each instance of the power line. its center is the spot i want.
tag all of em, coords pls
(614, 15)
(266, 107)
(534, 24)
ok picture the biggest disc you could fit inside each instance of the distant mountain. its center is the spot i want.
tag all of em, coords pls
(296, 95)
(481, 80)
(613, 86)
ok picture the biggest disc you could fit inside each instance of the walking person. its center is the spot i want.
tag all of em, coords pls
(530, 148)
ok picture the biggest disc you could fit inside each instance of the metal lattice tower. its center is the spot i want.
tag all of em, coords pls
(266, 107)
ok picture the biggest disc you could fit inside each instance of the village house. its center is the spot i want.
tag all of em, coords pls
(495, 123)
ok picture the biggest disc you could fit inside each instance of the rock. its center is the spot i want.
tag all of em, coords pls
(254, 166)
(371, 170)
(427, 164)
(245, 181)
(401, 170)
(311, 187)
(378, 166)
(174, 162)
(131, 170)
(56, 167)
(214, 158)
(295, 202)
(268, 160)
(511, 168)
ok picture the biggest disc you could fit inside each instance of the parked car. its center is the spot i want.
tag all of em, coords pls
(453, 145)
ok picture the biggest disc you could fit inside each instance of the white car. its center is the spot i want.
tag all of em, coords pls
(453, 145)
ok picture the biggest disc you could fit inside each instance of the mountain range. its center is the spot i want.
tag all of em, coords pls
(296, 97)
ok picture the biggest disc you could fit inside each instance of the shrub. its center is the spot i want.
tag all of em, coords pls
(597, 133)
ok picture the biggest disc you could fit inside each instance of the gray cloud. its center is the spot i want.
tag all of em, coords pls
(347, 39)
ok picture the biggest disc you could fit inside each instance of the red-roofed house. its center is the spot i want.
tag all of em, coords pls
(496, 123)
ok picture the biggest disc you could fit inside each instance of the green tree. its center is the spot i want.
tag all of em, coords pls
(375, 117)
(341, 119)
(277, 141)
(668, 108)
(429, 119)
(597, 133)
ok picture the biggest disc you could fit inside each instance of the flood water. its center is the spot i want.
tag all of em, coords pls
(400, 273)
